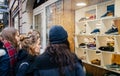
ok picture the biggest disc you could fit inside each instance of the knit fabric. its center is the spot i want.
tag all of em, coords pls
(57, 34)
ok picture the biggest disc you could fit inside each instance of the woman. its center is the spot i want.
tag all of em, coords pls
(10, 38)
(27, 54)
(57, 60)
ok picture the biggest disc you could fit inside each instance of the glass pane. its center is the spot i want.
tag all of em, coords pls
(38, 26)
(16, 25)
(52, 11)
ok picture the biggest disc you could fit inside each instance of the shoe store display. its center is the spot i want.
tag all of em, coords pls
(82, 45)
(113, 66)
(110, 41)
(83, 31)
(112, 31)
(92, 17)
(91, 43)
(91, 46)
(82, 19)
(111, 74)
(95, 31)
(96, 61)
(108, 13)
(110, 44)
(107, 48)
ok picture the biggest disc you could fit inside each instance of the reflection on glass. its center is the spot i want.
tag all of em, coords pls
(38, 27)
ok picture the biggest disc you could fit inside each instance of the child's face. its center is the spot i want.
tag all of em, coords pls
(37, 47)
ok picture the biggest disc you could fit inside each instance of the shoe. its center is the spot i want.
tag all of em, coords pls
(91, 46)
(92, 17)
(83, 19)
(108, 13)
(96, 61)
(113, 66)
(111, 74)
(95, 31)
(110, 44)
(110, 41)
(82, 45)
(112, 31)
(106, 48)
(83, 31)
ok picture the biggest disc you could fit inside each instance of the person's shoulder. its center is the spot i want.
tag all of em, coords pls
(42, 59)
(2, 52)
(43, 56)
(78, 60)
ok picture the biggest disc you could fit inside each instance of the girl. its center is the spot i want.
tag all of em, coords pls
(26, 55)
(10, 37)
(57, 60)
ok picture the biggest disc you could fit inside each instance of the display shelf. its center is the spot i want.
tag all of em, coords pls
(117, 41)
(102, 8)
(81, 27)
(110, 62)
(83, 12)
(97, 36)
(81, 53)
(92, 25)
(93, 57)
(115, 71)
(86, 42)
(106, 43)
(107, 59)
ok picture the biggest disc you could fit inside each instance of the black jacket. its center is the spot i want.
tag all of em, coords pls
(45, 68)
(24, 63)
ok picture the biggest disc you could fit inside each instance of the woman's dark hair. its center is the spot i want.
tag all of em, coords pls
(61, 55)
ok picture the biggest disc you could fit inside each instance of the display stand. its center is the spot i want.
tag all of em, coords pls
(94, 43)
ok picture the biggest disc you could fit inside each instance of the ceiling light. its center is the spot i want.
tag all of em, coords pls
(81, 4)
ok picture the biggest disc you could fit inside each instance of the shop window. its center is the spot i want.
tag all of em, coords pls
(53, 12)
(38, 27)
(16, 24)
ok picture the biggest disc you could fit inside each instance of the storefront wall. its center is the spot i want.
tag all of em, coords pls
(24, 14)
(13, 14)
(27, 17)
(65, 17)
(40, 22)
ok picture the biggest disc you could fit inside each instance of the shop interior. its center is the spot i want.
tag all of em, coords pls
(97, 39)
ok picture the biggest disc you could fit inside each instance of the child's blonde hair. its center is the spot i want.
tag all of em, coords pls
(28, 42)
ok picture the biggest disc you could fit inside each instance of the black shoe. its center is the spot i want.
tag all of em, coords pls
(112, 31)
(107, 48)
(82, 45)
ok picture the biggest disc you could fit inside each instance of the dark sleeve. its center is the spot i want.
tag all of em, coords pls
(78, 59)
(22, 70)
(79, 70)
(4, 65)
(36, 73)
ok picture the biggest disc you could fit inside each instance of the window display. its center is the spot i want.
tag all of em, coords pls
(97, 37)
